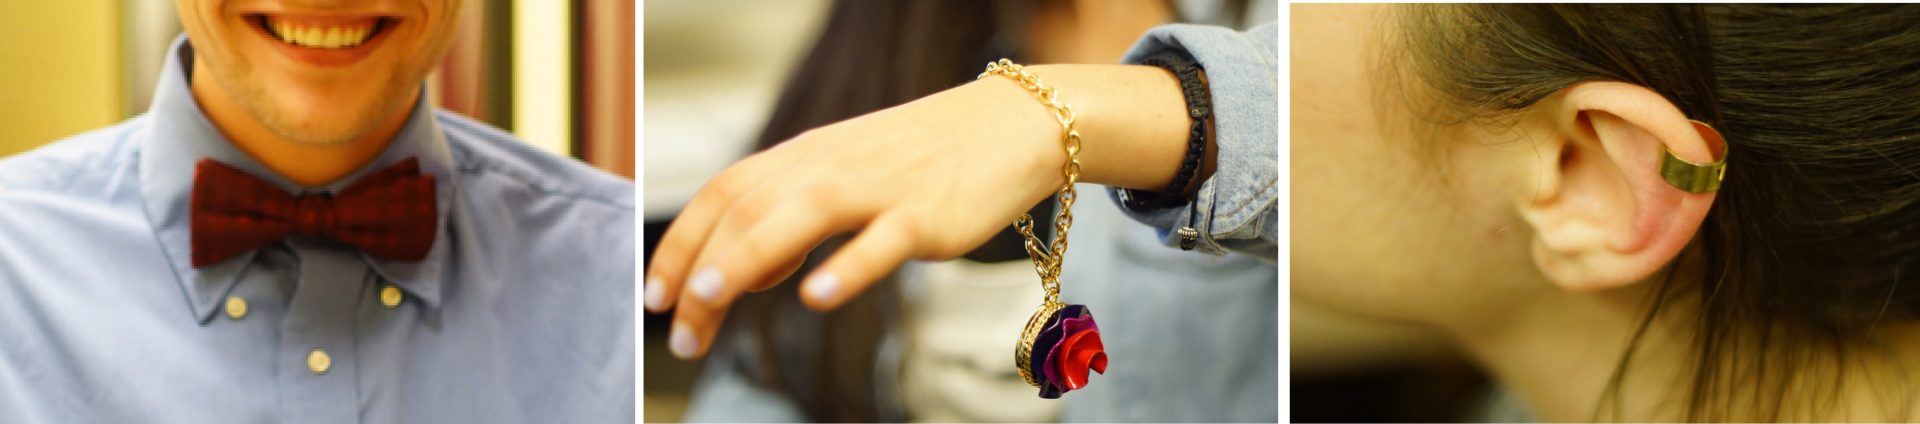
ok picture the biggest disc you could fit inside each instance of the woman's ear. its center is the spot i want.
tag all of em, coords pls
(1602, 215)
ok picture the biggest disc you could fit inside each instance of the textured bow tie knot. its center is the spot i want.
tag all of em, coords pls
(315, 216)
(390, 213)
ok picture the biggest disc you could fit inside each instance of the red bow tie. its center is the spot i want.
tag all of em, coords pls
(389, 213)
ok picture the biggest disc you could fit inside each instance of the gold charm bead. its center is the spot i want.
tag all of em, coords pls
(236, 308)
(391, 296)
(319, 362)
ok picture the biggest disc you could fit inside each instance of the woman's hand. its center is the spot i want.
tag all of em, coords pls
(931, 179)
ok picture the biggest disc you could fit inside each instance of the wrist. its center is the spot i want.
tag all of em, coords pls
(1030, 134)
(1131, 119)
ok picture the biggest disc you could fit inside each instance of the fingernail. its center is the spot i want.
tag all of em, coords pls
(706, 284)
(682, 342)
(823, 286)
(656, 294)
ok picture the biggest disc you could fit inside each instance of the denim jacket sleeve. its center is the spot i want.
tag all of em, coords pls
(1236, 210)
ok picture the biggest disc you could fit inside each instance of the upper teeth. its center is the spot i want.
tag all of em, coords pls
(322, 37)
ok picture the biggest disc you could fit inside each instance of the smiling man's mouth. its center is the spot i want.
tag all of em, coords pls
(327, 33)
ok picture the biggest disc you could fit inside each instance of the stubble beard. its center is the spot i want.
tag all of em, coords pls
(258, 102)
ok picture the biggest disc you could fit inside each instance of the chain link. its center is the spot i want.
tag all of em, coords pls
(1047, 258)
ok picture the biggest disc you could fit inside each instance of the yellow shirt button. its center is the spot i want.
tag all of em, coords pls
(319, 362)
(236, 308)
(390, 296)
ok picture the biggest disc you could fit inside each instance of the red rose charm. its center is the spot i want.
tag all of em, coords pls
(1067, 348)
(1078, 353)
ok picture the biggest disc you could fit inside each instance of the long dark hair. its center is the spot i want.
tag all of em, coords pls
(1807, 243)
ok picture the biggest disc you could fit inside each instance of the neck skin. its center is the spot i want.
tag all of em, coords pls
(1557, 350)
(308, 165)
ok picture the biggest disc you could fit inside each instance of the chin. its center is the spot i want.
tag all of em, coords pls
(318, 104)
(317, 128)
(326, 123)
(324, 136)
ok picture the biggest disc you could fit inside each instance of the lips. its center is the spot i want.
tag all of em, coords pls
(322, 33)
(323, 40)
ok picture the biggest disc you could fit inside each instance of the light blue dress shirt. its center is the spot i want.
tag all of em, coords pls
(522, 312)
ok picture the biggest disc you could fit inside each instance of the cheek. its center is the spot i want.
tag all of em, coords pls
(208, 30)
(1486, 197)
(1364, 227)
(426, 42)
(1397, 229)
(435, 44)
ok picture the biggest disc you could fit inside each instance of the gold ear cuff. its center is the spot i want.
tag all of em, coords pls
(1696, 177)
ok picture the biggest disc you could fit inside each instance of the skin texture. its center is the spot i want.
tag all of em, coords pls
(311, 123)
(1535, 242)
(1089, 31)
(930, 179)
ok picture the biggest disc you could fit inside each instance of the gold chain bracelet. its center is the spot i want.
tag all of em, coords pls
(1060, 342)
(1047, 262)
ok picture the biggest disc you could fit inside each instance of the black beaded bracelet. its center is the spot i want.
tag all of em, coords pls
(1200, 108)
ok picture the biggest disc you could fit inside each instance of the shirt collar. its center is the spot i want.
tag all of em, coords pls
(180, 135)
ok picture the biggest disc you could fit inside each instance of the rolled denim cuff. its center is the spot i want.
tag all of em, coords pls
(1236, 209)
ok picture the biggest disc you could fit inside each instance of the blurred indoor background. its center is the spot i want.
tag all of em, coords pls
(557, 73)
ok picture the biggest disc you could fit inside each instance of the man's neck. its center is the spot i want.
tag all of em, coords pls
(306, 164)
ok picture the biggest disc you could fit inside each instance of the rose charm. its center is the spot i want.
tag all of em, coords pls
(1060, 345)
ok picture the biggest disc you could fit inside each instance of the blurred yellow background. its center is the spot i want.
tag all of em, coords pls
(55, 86)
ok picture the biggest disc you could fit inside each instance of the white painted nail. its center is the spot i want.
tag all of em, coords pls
(706, 284)
(656, 294)
(823, 286)
(682, 342)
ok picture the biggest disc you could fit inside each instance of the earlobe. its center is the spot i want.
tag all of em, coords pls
(1608, 216)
